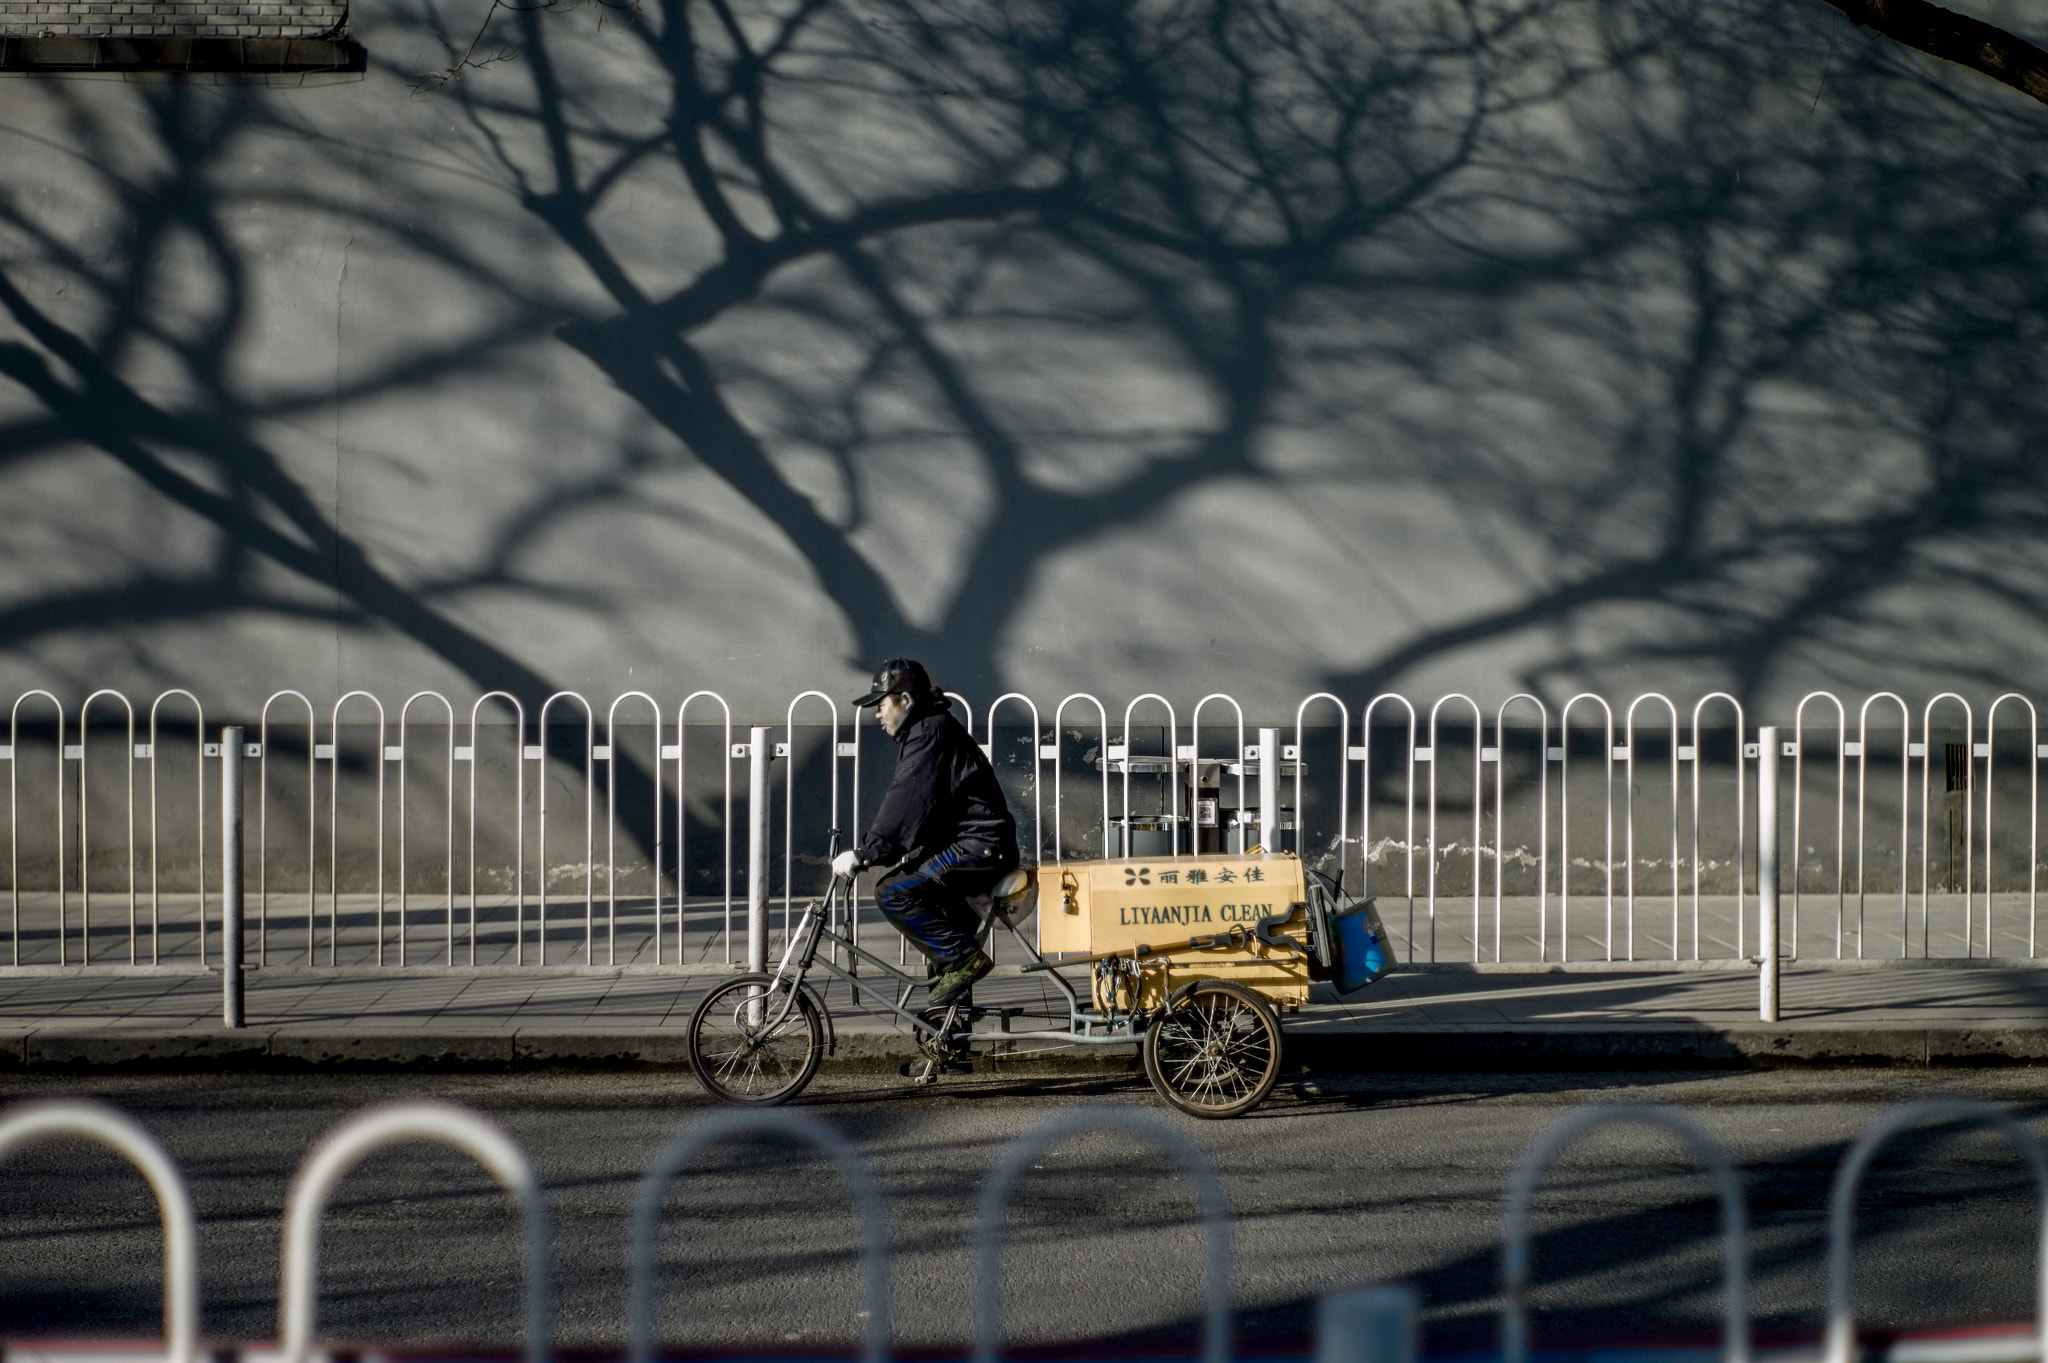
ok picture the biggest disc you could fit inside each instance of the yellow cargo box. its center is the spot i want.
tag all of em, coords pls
(1090, 908)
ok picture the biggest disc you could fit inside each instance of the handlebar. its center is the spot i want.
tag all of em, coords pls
(854, 875)
(1280, 940)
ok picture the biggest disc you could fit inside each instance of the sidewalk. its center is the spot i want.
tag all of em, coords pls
(1918, 1014)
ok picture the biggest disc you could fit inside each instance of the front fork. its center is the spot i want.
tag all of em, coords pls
(802, 949)
(787, 979)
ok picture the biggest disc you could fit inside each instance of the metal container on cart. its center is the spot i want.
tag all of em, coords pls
(1134, 906)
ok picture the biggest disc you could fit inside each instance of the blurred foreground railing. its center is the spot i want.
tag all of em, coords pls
(1373, 1326)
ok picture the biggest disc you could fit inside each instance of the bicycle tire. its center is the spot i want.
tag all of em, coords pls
(741, 1063)
(1216, 1052)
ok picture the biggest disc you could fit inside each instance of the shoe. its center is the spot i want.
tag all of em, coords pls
(959, 977)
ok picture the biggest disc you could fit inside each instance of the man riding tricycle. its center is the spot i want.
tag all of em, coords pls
(1191, 958)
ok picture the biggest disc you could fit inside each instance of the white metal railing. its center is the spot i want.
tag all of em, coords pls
(1599, 842)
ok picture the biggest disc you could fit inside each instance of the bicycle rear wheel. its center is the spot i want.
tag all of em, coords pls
(1215, 1053)
(742, 1052)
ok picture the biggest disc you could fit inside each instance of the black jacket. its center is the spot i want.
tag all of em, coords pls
(943, 793)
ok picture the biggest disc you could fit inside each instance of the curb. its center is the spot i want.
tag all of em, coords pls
(1327, 1050)
(1730, 965)
(1667, 1046)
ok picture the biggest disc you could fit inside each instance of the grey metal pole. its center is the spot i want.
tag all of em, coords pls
(760, 750)
(231, 875)
(1269, 789)
(1767, 748)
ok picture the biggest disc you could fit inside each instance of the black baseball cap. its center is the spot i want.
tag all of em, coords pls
(898, 674)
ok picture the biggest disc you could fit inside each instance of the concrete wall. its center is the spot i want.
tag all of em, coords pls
(1611, 344)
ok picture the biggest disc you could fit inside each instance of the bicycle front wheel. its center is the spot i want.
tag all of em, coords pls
(750, 1043)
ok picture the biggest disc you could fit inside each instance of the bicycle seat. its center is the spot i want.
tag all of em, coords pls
(1002, 898)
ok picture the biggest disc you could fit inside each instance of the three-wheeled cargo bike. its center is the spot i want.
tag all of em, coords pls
(1194, 959)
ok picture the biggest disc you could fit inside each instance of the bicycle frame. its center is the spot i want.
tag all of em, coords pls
(820, 924)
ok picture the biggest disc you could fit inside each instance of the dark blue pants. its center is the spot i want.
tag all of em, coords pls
(929, 904)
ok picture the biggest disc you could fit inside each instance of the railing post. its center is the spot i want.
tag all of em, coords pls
(1269, 790)
(231, 875)
(1767, 750)
(760, 751)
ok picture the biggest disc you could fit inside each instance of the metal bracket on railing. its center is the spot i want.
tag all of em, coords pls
(1840, 1343)
(344, 1146)
(1536, 1160)
(29, 1122)
(1001, 1185)
(867, 1198)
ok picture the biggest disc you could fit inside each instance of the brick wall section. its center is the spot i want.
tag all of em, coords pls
(171, 18)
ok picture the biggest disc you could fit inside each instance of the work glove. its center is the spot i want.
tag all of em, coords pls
(845, 864)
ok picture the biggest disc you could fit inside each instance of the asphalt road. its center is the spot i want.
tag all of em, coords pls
(1399, 1178)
